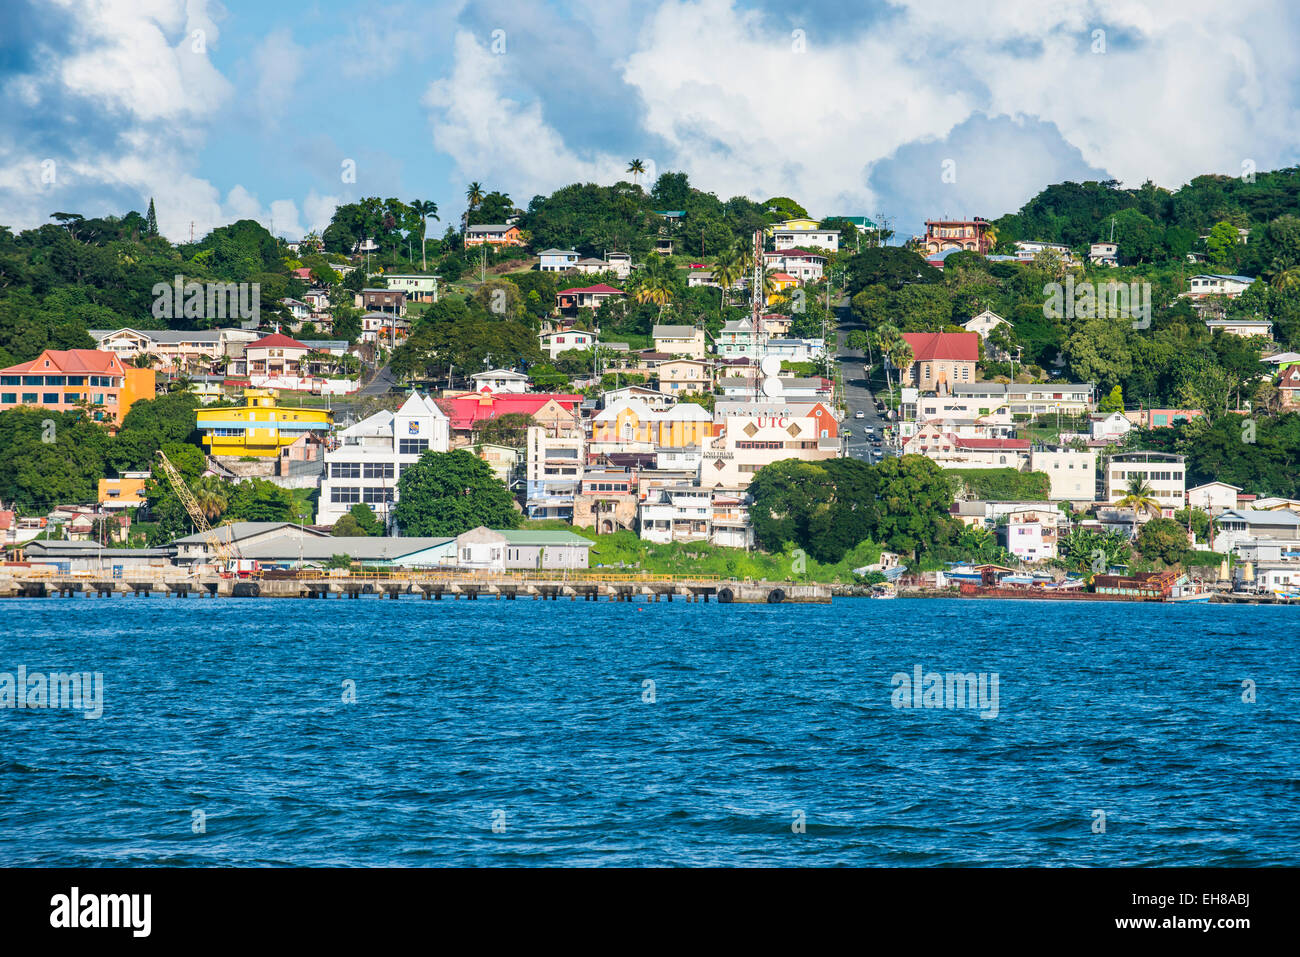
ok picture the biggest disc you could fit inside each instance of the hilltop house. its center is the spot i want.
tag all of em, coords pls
(940, 360)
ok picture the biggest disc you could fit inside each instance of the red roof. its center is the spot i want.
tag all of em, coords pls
(70, 360)
(783, 276)
(303, 273)
(1004, 445)
(929, 346)
(1290, 378)
(465, 410)
(276, 339)
(599, 288)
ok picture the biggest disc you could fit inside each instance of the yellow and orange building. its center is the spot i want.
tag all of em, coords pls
(64, 380)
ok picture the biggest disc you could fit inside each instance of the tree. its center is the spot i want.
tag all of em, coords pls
(1113, 402)
(914, 497)
(447, 493)
(1221, 244)
(1163, 539)
(151, 220)
(1140, 497)
(425, 209)
(636, 168)
(473, 197)
(359, 521)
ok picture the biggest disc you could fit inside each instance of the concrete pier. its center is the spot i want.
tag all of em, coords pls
(431, 585)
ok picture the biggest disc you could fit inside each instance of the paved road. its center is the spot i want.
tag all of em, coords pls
(857, 396)
(381, 384)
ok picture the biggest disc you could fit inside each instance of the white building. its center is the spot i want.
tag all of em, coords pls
(1213, 497)
(500, 380)
(790, 238)
(984, 323)
(553, 343)
(552, 472)
(1217, 285)
(1110, 427)
(1246, 328)
(687, 513)
(1104, 254)
(368, 463)
(1164, 472)
(756, 434)
(1072, 473)
(685, 341)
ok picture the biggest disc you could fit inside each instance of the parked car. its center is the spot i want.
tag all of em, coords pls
(859, 414)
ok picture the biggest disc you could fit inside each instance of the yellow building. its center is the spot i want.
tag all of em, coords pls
(801, 224)
(630, 424)
(259, 427)
(782, 282)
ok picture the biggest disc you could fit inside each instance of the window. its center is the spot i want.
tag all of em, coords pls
(29, 398)
(345, 470)
(345, 494)
(8, 397)
(50, 398)
(412, 446)
(374, 496)
(378, 470)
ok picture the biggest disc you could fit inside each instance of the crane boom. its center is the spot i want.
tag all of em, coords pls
(192, 507)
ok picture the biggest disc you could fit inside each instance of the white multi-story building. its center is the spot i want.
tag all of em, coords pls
(369, 462)
(754, 434)
(552, 472)
(1073, 473)
(790, 238)
(1164, 472)
(688, 513)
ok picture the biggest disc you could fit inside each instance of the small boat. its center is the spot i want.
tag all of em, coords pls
(884, 590)
(1192, 597)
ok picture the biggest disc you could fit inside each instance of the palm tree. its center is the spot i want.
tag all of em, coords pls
(1287, 279)
(729, 270)
(656, 282)
(424, 208)
(891, 345)
(210, 494)
(636, 168)
(473, 196)
(1140, 497)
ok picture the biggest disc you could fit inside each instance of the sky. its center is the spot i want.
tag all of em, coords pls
(912, 109)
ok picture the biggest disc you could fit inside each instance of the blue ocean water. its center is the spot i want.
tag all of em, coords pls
(769, 735)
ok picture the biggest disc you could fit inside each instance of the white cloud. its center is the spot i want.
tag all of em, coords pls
(1179, 91)
(500, 141)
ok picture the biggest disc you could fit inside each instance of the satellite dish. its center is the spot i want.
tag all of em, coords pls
(771, 365)
(772, 387)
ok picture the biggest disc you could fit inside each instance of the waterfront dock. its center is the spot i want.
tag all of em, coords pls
(432, 585)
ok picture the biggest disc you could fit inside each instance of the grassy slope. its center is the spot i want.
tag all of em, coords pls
(625, 551)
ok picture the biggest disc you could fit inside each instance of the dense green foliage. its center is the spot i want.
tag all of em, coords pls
(447, 493)
(1003, 485)
(829, 507)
